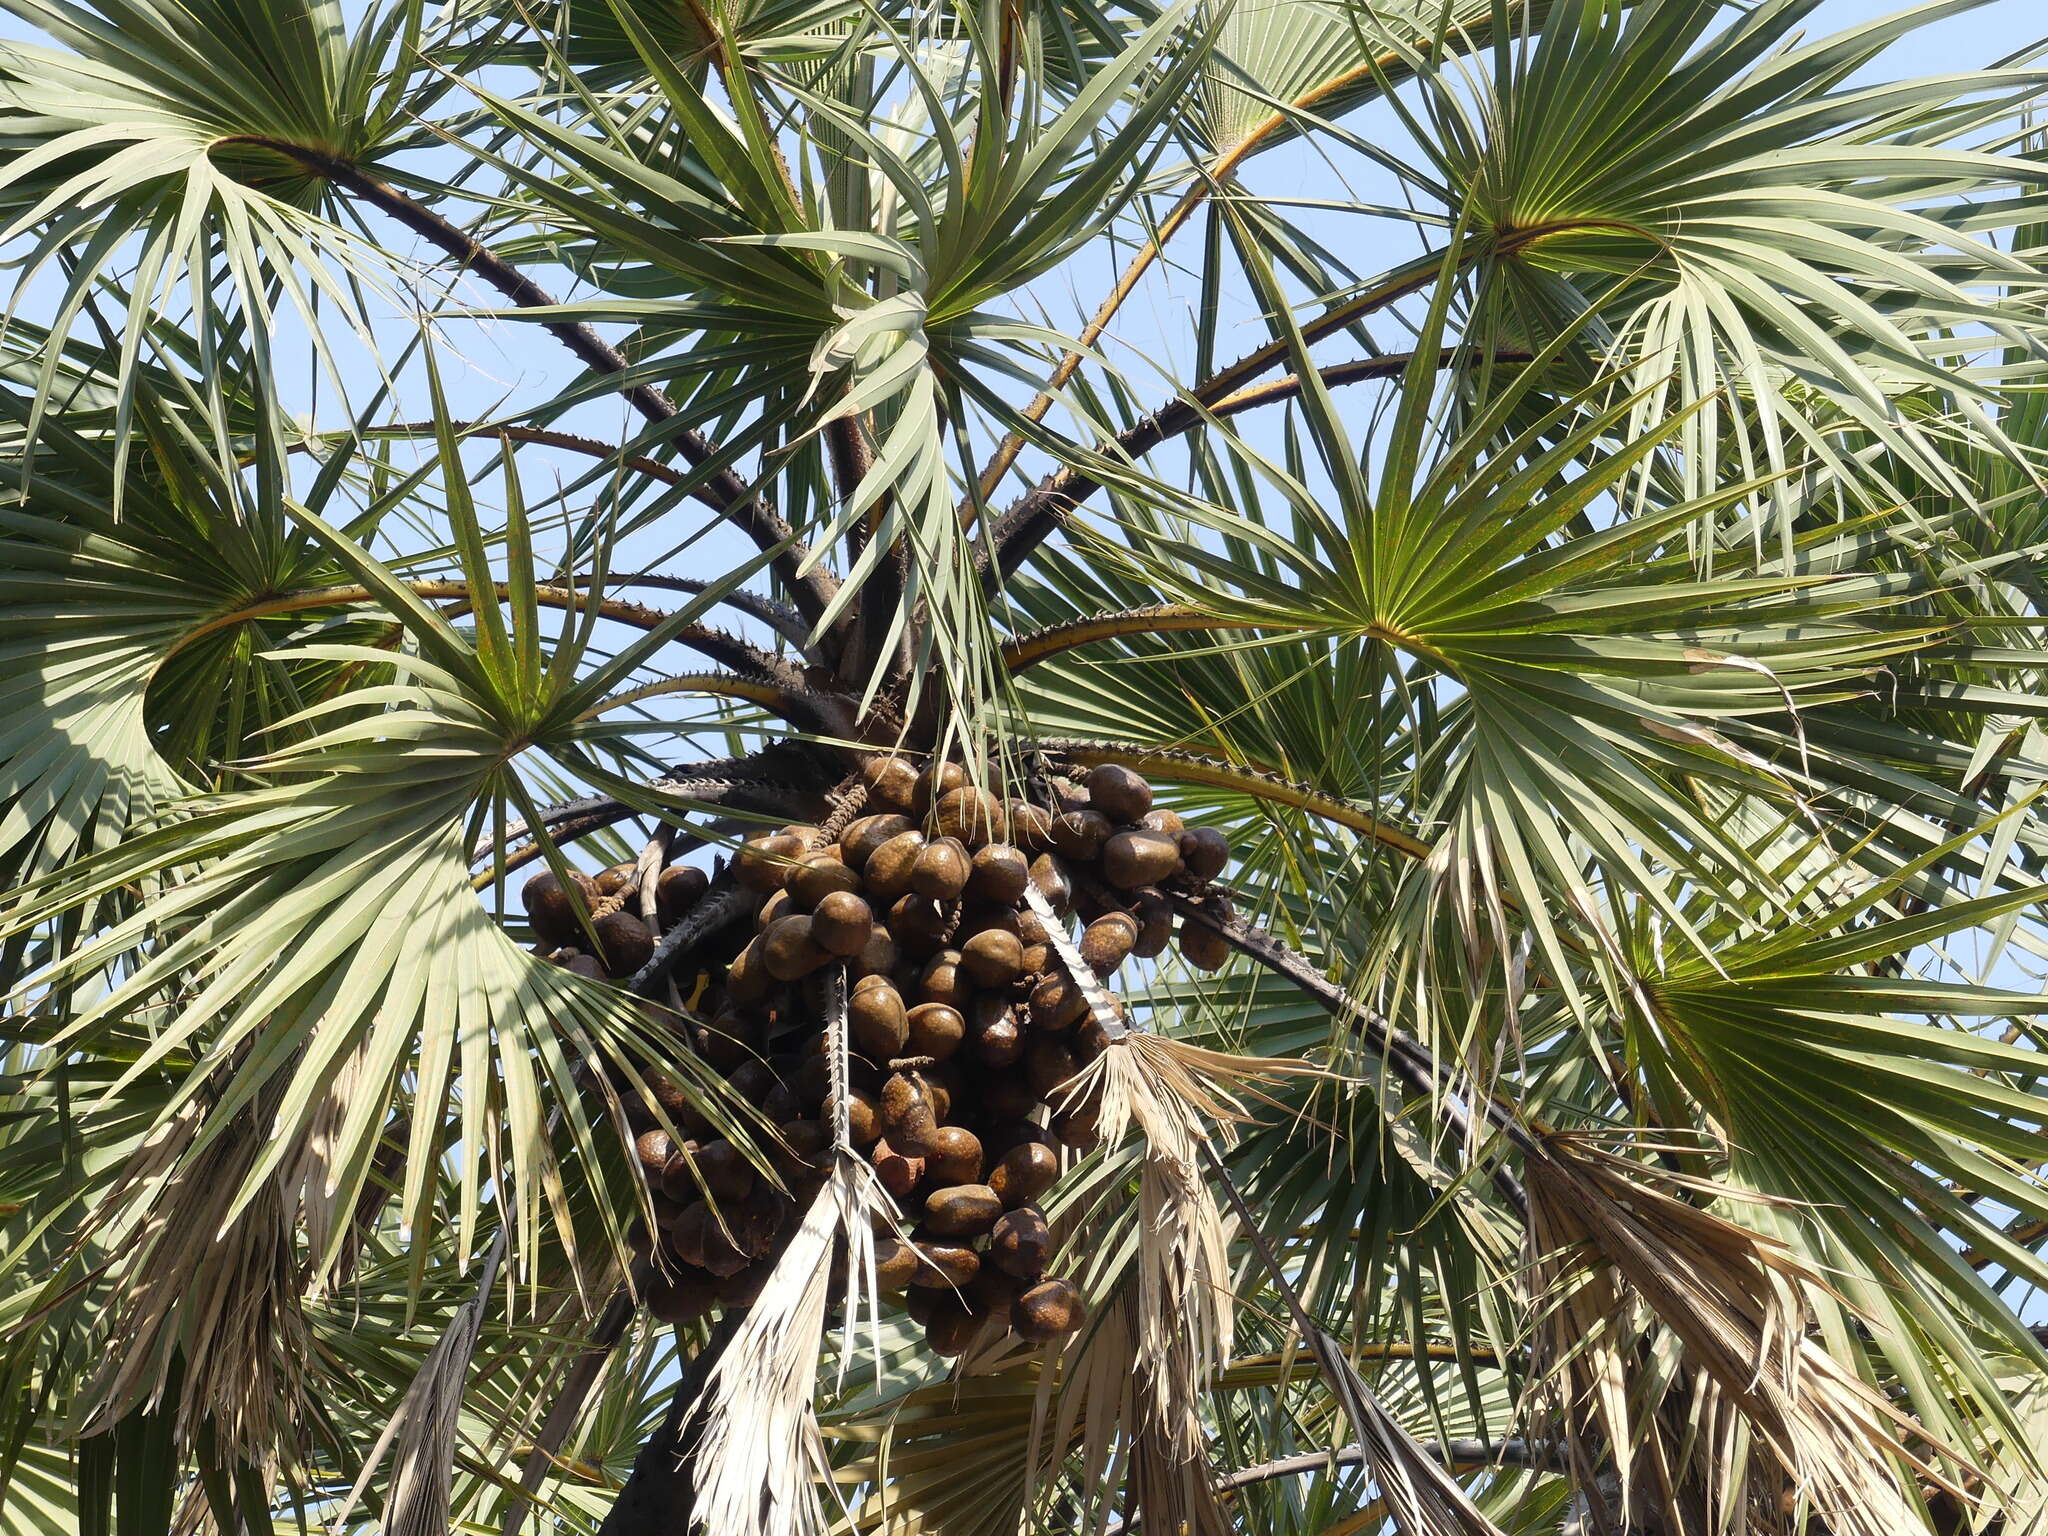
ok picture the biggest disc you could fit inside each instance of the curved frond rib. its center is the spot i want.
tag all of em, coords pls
(1054, 639)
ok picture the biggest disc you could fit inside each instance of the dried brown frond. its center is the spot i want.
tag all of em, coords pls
(1680, 1339)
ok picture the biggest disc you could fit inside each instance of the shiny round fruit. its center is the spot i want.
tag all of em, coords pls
(1108, 941)
(919, 925)
(548, 908)
(907, 1117)
(765, 863)
(1204, 851)
(941, 870)
(1050, 876)
(680, 888)
(878, 1021)
(945, 1262)
(1155, 925)
(1162, 820)
(1020, 1242)
(972, 815)
(1118, 793)
(1024, 1173)
(953, 1155)
(1203, 947)
(818, 876)
(1030, 826)
(1000, 874)
(1057, 1003)
(654, 1148)
(895, 1263)
(682, 1296)
(962, 1210)
(936, 1030)
(1050, 1310)
(944, 981)
(615, 878)
(623, 943)
(1081, 834)
(788, 950)
(888, 871)
(952, 1331)
(937, 780)
(1048, 1065)
(861, 838)
(993, 958)
(841, 923)
(1000, 1041)
(1132, 859)
(891, 783)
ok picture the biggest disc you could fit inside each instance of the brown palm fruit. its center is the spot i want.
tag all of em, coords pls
(801, 1150)
(941, 870)
(817, 876)
(1000, 874)
(1108, 941)
(743, 1287)
(962, 1210)
(777, 906)
(937, 780)
(918, 924)
(548, 909)
(722, 1171)
(747, 981)
(654, 1148)
(1088, 1041)
(788, 951)
(1159, 819)
(978, 916)
(999, 1137)
(953, 1155)
(907, 1116)
(1050, 1310)
(878, 957)
(1030, 927)
(1037, 960)
(863, 1115)
(765, 863)
(1057, 1003)
(993, 958)
(624, 943)
(674, 1100)
(1132, 859)
(936, 1030)
(861, 838)
(943, 980)
(991, 1291)
(1080, 834)
(952, 1330)
(756, 1223)
(841, 923)
(1006, 1094)
(889, 868)
(1024, 1173)
(1020, 1242)
(682, 1296)
(751, 1079)
(697, 1237)
(1155, 925)
(1117, 792)
(877, 1019)
(945, 1083)
(891, 783)
(922, 1303)
(1049, 874)
(1204, 851)
(1030, 826)
(1049, 1065)
(583, 965)
(895, 1262)
(725, 1042)
(615, 878)
(680, 888)
(1203, 947)
(779, 1103)
(1075, 1127)
(946, 1261)
(998, 1038)
(898, 1171)
(971, 814)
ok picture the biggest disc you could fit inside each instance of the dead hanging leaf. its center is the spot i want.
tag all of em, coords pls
(1683, 1337)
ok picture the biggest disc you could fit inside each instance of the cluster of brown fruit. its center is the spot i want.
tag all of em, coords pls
(964, 1027)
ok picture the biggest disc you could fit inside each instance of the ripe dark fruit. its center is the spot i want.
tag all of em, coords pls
(863, 1116)
(895, 1262)
(999, 1042)
(1075, 1127)
(991, 1291)
(788, 951)
(861, 838)
(548, 909)
(1048, 1065)
(764, 863)
(1050, 876)
(743, 1287)
(1162, 820)
(585, 966)
(962, 1210)
(1132, 859)
(888, 870)
(878, 957)
(936, 1030)
(817, 877)
(946, 1261)
(623, 943)
(1205, 851)
(993, 958)
(654, 1148)
(953, 1155)
(1203, 948)
(803, 1147)
(972, 815)
(841, 923)
(1155, 925)
(1024, 1173)
(1081, 834)
(898, 1171)
(1006, 1094)
(906, 1112)
(746, 976)
(941, 869)
(681, 1297)
(933, 784)
(891, 783)
(1057, 1003)
(1108, 941)
(918, 925)
(878, 1021)
(724, 1170)
(680, 888)
(1050, 1310)
(1118, 793)
(943, 980)
(1020, 1243)
(618, 877)
(1000, 874)
(952, 1331)
(1030, 826)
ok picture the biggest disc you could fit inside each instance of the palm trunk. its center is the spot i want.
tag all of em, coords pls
(660, 1490)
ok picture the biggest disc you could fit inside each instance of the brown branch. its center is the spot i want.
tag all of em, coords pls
(727, 649)
(726, 491)
(1410, 1062)
(1034, 516)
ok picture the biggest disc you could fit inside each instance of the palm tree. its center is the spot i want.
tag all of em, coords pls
(1580, 660)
